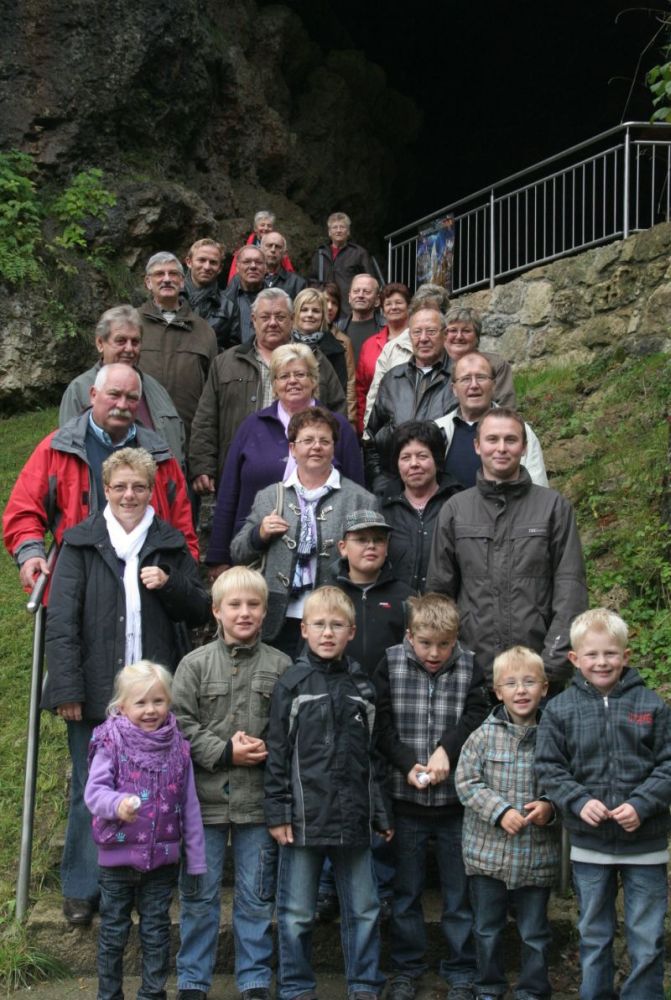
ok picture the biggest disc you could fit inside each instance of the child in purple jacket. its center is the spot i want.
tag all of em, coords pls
(142, 795)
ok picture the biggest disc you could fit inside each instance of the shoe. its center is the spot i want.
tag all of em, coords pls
(386, 903)
(256, 993)
(462, 992)
(401, 988)
(192, 995)
(78, 911)
(328, 908)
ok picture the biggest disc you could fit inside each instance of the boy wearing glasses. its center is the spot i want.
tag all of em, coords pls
(510, 853)
(322, 799)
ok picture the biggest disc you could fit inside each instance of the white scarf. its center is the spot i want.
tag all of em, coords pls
(127, 545)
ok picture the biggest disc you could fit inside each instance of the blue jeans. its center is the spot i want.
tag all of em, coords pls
(490, 900)
(297, 886)
(645, 900)
(79, 865)
(255, 857)
(383, 867)
(120, 889)
(408, 933)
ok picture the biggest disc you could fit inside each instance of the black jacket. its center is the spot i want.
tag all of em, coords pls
(351, 260)
(85, 637)
(222, 315)
(334, 351)
(287, 281)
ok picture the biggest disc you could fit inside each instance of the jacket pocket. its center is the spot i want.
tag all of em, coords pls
(262, 686)
(214, 700)
(531, 550)
(473, 546)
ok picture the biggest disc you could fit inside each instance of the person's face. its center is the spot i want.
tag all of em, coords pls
(363, 294)
(122, 347)
(240, 616)
(395, 309)
(365, 551)
(500, 445)
(332, 309)
(294, 386)
(165, 282)
(432, 647)
(417, 466)
(313, 449)
(473, 384)
(427, 337)
(114, 406)
(461, 338)
(521, 690)
(264, 225)
(274, 248)
(205, 265)
(251, 267)
(327, 631)
(338, 233)
(146, 708)
(272, 324)
(128, 494)
(600, 659)
(310, 316)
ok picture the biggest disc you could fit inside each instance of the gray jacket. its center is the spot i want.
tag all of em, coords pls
(282, 552)
(167, 421)
(218, 690)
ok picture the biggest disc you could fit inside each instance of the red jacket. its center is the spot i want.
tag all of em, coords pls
(285, 262)
(53, 491)
(365, 369)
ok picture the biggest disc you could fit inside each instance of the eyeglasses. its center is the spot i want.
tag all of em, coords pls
(279, 317)
(309, 442)
(329, 626)
(467, 379)
(524, 682)
(286, 376)
(429, 331)
(120, 488)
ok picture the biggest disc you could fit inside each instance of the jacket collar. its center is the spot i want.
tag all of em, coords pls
(488, 488)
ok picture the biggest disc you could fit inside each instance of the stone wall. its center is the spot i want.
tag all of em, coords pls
(616, 294)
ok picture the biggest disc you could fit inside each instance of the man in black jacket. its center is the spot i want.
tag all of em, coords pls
(340, 259)
(206, 298)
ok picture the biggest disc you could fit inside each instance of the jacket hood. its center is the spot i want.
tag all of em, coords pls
(489, 488)
(71, 437)
(341, 574)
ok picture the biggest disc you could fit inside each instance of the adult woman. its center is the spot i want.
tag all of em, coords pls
(412, 503)
(300, 543)
(123, 582)
(394, 302)
(333, 307)
(311, 328)
(259, 454)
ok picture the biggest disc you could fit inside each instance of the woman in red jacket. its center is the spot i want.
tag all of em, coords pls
(394, 302)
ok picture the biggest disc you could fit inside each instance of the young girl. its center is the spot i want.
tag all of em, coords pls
(142, 796)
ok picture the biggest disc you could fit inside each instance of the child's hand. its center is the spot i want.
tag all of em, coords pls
(412, 779)
(247, 750)
(626, 816)
(438, 766)
(594, 812)
(126, 809)
(538, 812)
(386, 835)
(282, 834)
(153, 577)
(513, 822)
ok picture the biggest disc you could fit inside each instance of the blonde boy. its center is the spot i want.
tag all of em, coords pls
(221, 698)
(430, 697)
(319, 788)
(604, 758)
(509, 853)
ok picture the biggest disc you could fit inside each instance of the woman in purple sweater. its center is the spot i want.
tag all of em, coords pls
(259, 453)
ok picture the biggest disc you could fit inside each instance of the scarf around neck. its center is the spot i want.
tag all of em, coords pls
(127, 545)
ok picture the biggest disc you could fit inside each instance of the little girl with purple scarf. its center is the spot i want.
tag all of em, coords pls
(141, 793)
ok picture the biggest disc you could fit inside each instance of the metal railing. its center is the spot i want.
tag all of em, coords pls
(600, 190)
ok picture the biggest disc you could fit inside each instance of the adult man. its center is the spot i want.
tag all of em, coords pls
(274, 248)
(61, 483)
(118, 339)
(340, 259)
(473, 382)
(205, 296)
(239, 384)
(264, 222)
(246, 285)
(509, 553)
(178, 347)
(365, 318)
(419, 389)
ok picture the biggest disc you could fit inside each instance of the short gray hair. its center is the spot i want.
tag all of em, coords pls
(339, 217)
(263, 214)
(272, 295)
(163, 257)
(461, 314)
(431, 295)
(117, 314)
(101, 377)
(287, 353)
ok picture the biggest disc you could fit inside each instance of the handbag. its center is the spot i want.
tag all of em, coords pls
(259, 563)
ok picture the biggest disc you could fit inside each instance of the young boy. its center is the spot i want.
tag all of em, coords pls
(430, 698)
(509, 852)
(321, 799)
(222, 699)
(604, 758)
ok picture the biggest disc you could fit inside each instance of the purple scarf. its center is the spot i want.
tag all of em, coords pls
(157, 759)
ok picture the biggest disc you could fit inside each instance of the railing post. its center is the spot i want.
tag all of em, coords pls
(389, 274)
(625, 184)
(492, 241)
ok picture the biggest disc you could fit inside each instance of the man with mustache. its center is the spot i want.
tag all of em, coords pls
(61, 483)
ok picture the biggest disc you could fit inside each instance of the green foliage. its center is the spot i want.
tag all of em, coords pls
(20, 219)
(21, 964)
(84, 198)
(659, 84)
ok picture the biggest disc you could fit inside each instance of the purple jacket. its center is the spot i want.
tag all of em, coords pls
(124, 760)
(256, 459)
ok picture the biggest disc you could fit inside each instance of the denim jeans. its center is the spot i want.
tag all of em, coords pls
(120, 889)
(383, 868)
(255, 859)
(644, 889)
(79, 864)
(490, 900)
(408, 933)
(297, 886)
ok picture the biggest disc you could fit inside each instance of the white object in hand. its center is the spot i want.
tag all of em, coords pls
(423, 777)
(135, 802)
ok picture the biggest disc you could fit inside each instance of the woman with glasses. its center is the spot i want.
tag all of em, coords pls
(259, 454)
(299, 541)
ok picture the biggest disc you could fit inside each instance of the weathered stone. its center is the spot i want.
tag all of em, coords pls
(651, 243)
(602, 331)
(569, 305)
(507, 298)
(619, 289)
(537, 303)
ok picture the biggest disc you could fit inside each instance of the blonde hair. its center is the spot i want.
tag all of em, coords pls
(287, 353)
(310, 295)
(517, 658)
(137, 459)
(239, 578)
(332, 598)
(599, 620)
(143, 672)
(433, 611)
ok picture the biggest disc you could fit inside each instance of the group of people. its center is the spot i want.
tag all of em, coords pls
(399, 599)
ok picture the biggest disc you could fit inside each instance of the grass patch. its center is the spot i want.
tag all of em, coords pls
(22, 965)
